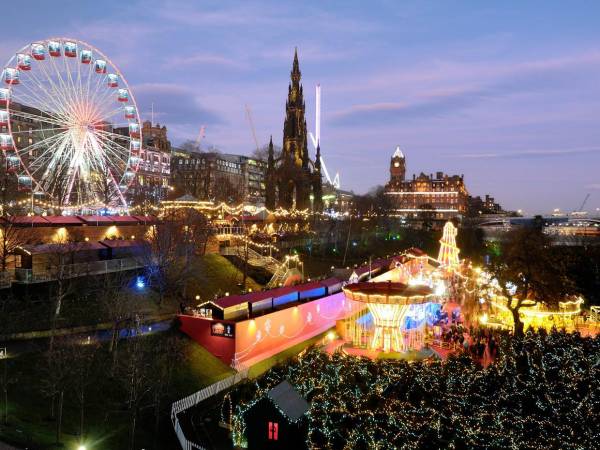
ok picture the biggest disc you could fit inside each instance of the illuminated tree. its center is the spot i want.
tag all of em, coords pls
(527, 271)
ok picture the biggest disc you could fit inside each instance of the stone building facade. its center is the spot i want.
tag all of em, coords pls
(439, 196)
(293, 181)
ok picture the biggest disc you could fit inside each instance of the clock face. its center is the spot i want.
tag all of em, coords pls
(396, 164)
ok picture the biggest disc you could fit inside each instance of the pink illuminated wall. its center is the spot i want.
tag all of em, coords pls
(264, 336)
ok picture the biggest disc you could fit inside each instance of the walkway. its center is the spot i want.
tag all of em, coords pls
(332, 346)
(4, 446)
(443, 351)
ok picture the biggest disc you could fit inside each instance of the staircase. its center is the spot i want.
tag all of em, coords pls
(255, 259)
(279, 277)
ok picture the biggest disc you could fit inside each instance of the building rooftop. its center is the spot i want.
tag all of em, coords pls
(387, 292)
(398, 153)
(288, 400)
(61, 221)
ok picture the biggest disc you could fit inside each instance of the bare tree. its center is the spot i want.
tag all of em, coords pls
(170, 249)
(82, 362)
(229, 188)
(169, 353)
(262, 153)
(62, 270)
(11, 237)
(190, 147)
(136, 375)
(55, 381)
(117, 302)
(7, 378)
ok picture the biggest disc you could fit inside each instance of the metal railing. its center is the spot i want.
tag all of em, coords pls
(6, 279)
(197, 397)
(220, 231)
(254, 258)
(75, 270)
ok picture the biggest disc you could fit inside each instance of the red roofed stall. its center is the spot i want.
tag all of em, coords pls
(97, 220)
(63, 221)
(119, 248)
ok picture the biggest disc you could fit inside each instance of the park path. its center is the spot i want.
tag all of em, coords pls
(18, 347)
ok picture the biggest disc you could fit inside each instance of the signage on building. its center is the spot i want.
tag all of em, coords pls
(222, 329)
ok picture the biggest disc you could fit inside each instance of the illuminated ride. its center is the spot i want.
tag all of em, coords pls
(69, 125)
(448, 254)
(533, 314)
(399, 313)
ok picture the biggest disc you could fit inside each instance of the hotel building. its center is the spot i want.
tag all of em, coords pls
(424, 196)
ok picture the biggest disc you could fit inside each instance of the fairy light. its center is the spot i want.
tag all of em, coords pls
(360, 403)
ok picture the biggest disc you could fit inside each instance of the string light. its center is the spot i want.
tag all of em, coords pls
(545, 401)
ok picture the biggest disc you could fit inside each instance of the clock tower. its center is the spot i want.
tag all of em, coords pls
(397, 166)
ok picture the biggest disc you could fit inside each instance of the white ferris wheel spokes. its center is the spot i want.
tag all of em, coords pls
(69, 125)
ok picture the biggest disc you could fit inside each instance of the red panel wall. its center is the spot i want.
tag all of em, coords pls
(198, 329)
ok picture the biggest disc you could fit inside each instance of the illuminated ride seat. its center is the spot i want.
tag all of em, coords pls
(54, 48)
(11, 76)
(23, 61)
(135, 146)
(113, 80)
(70, 49)
(4, 96)
(12, 162)
(100, 66)
(6, 142)
(24, 183)
(85, 56)
(38, 51)
(134, 130)
(123, 95)
(130, 112)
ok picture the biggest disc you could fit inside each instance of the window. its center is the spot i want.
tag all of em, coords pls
(273, 431)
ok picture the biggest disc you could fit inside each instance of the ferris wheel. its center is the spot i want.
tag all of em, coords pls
(69, 124)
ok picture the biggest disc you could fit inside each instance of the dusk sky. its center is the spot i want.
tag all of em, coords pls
(507, 94)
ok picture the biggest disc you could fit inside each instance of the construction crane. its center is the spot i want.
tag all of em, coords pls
(580, 211)
(316, 138)
(249, 117)
(584, 202)
(201, 135)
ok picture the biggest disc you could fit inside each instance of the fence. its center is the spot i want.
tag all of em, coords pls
(224, 231)
(5, 279)
(75, 270)
(192, 400)
(254, 258)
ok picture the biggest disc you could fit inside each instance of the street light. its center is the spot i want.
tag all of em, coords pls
(82, 447)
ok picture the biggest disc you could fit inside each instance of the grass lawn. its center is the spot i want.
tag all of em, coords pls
(261, 367)
(213, 274)
(30, 425)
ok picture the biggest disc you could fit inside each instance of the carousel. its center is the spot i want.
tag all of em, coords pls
(404, 305)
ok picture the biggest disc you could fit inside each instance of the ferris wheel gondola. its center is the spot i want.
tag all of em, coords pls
(69, 125)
